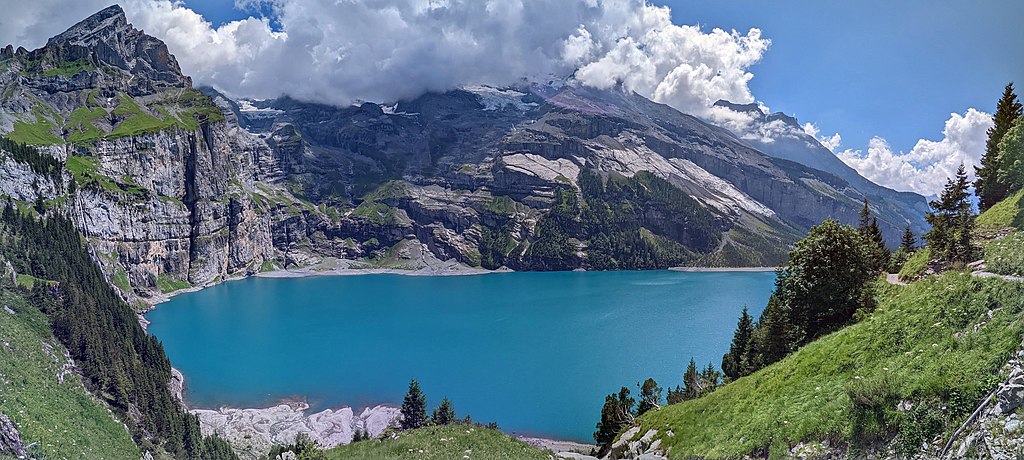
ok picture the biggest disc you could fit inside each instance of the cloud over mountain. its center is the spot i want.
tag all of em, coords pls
(343, 51)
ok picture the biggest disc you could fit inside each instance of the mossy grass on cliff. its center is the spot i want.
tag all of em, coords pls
(932, 344)
(440, 443)
(58, 415)
(40, 131)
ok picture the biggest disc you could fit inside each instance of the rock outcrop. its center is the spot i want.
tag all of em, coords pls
(253, 431)
(10, 439)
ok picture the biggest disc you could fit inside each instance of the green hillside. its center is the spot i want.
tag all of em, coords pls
(441, 443)
(65, 421)
(931, 342)
(1006, 213)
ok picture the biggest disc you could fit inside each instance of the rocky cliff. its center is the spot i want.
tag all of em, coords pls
(159, 181)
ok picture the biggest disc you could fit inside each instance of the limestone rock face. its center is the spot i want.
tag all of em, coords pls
(253, 431)
(194, 221)
(111, 40)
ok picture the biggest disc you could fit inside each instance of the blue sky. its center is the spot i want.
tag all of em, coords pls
(894, 69)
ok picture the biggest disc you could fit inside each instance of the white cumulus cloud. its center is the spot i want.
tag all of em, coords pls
(341, 51)
(830, 142)
(925, 168)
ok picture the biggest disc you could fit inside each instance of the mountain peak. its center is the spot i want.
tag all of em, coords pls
(88, 31)
(113, 41)
(755, 110)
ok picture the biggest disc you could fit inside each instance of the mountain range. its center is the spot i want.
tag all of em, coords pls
(175, 186)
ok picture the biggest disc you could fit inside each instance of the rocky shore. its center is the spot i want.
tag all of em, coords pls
(253, 431)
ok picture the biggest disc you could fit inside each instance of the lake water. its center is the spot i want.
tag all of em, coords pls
(534, 352)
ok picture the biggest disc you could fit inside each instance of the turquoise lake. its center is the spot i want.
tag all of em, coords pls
(534, 352)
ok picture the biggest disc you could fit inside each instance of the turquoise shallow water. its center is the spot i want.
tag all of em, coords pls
(535, 352)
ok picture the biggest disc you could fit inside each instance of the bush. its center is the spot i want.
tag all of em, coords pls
(1006, 256)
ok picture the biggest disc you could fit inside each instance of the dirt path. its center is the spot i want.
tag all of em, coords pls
(894, 278)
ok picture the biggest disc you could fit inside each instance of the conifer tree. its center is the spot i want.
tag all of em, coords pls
(414, 407)
(616, 413)
(909, 242)
(988, 186)
(444, 414)
(952, 221)
(773, 336)
(691, 381)
(873, 238)
(736, 363)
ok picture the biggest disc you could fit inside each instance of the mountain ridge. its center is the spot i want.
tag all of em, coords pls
(172, 191)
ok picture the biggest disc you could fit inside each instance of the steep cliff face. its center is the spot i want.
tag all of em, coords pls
(160, 183)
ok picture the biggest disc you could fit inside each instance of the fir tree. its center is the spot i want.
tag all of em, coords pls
(865, 217)
(444, 414)
(873, 238)
(773, 335)
(952, 221)
(691, 381)
(414, 408)
(988, 186)
(735, 363)
(909, 242)
(650, 396)
(710, 378)
(675, 395)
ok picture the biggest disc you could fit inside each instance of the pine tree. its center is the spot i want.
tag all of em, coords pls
(675, 395)
(414, 408)
(865, 217)
(650, 396)
(988, 186)
(873, 239)
(691, 381)
(736, 363)
(444, 414)
(952, 221)
(773, 335)
(710, 378)
(909, 242)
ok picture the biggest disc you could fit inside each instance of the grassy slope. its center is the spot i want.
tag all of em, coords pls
(921, 338)
(441, 443)
(1006, 213)
(62, 418)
